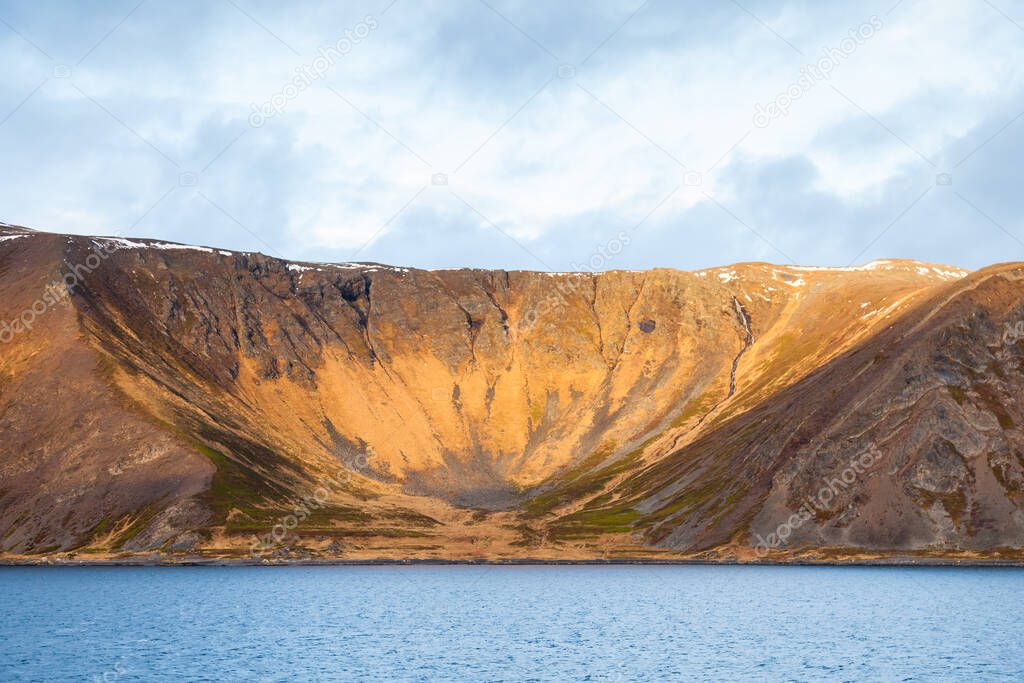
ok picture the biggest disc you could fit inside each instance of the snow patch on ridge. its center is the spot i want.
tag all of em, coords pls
(166, 246)
(952, 273)
(374, 269)
(322, 267)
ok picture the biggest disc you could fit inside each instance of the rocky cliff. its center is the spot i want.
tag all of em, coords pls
(160, 399)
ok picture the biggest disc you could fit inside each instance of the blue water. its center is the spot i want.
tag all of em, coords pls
(468, 623)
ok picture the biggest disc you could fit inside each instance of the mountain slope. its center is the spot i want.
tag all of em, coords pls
(191, 401)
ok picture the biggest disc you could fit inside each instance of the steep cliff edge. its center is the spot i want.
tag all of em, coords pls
(192, 401)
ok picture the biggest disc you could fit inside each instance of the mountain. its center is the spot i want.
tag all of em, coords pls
(161, 400)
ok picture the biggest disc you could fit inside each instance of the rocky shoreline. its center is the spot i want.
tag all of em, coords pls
(525, 562)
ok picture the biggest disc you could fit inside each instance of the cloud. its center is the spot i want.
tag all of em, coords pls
(557, 126)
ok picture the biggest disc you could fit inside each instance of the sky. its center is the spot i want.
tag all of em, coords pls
(560, 136)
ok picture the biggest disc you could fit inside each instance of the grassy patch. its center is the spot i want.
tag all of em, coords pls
(321, 520)
(236, 486)
(385, 532)
(528, 536)
(582, 480)
(954, 503)
(588, 523)
(689, 500)
(145, 516)
(102, 528)
(699, 406)
(992, 401)
(325, 517)
(413, 518)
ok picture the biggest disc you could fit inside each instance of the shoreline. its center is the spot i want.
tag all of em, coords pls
(526, 562)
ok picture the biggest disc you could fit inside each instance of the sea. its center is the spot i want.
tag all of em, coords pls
(511, 623)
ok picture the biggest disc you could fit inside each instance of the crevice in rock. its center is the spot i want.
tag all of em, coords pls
(597, 319)
(501, 311)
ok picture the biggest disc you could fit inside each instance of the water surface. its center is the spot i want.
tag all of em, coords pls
(471, 623)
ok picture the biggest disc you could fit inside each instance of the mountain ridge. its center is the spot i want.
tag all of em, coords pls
(301, 265)
(460, 414)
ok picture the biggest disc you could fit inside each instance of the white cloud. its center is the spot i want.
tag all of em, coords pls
(442, 80)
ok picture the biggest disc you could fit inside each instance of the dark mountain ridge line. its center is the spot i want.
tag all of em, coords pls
(156, 243)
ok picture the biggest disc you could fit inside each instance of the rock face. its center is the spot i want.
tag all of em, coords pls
(157, 397)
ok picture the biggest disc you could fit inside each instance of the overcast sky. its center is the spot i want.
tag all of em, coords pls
(560, 135)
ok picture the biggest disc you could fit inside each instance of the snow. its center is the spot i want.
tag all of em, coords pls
(5, 238)
(321, 267)
(728, 274)
(889, 264)
(123, 243)
(799, 282)
(165, 246)
(880, 264)
(883, 312)
(957, 274)
(374, 269)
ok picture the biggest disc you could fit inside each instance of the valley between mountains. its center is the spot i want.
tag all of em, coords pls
(173, 402)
